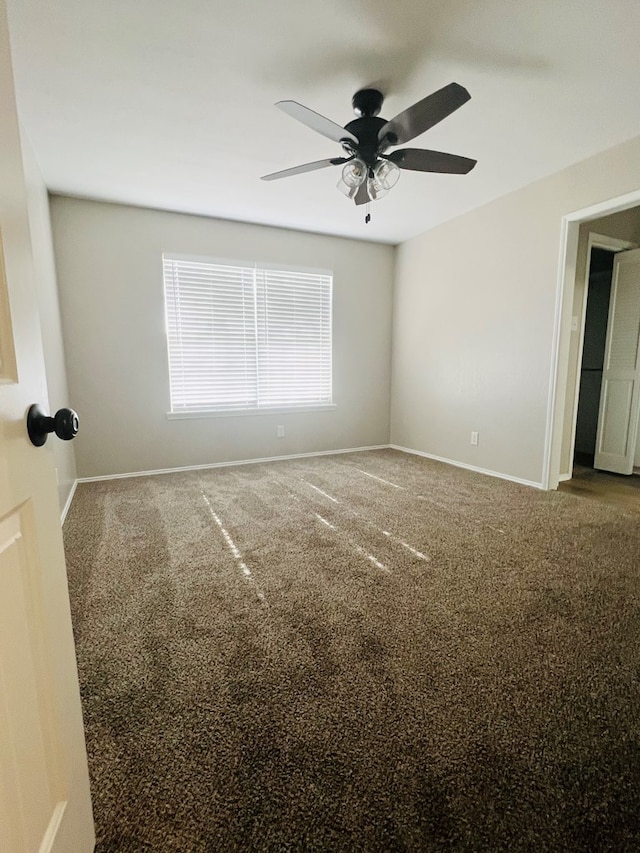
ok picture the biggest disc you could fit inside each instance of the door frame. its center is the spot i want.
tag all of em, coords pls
(558, 420)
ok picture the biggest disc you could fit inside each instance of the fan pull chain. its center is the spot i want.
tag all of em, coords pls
(367, 218)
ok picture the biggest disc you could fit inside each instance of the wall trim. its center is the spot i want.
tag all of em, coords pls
(475, 468)
(229, 464)
(568, 253)
(65, 508)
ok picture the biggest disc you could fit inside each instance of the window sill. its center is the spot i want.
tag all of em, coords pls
(234, 413)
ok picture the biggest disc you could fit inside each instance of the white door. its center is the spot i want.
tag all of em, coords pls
(44, 786)
(620, 396)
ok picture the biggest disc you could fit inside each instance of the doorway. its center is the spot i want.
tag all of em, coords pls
(588, 476)
(607, 403)
(595, 334)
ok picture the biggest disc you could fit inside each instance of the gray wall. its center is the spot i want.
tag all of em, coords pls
(474, 312)
(49, 309)
(110, 278)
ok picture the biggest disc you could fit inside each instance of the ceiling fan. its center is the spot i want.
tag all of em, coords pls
(369, 172)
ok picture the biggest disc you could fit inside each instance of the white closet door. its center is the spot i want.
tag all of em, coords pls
(620, 396)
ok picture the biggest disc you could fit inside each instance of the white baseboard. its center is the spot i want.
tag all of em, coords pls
(497, 474)
(65, 509)
(564, 477)
(229, 464)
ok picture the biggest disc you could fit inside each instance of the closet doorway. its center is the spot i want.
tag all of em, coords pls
(608, 406)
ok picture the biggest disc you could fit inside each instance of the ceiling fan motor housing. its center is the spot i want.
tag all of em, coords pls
(366, 130)
(366, 105)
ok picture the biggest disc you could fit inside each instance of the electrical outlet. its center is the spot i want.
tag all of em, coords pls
(474, 438)
(280, 431)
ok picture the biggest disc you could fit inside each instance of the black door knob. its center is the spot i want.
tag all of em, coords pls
(65, 424)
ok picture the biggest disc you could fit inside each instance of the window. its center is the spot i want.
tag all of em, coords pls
(246, 337)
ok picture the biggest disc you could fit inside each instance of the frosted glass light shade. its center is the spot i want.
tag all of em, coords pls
(354, 173)
(385, 176)
(350, 192)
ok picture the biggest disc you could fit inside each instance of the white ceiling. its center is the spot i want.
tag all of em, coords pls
(170, 104)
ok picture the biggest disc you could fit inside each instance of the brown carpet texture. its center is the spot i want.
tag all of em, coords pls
(359, 652)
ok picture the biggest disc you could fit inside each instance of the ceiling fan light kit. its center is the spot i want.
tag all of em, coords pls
(369, 172)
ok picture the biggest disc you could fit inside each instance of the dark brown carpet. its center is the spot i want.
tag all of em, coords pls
(364, 652)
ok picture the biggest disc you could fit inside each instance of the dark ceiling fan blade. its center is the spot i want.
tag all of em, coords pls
(421, 160)
(362, 196)
(423, 115)
(315, 121)
(307, 167)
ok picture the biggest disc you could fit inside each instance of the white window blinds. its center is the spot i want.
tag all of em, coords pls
(243, 337)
